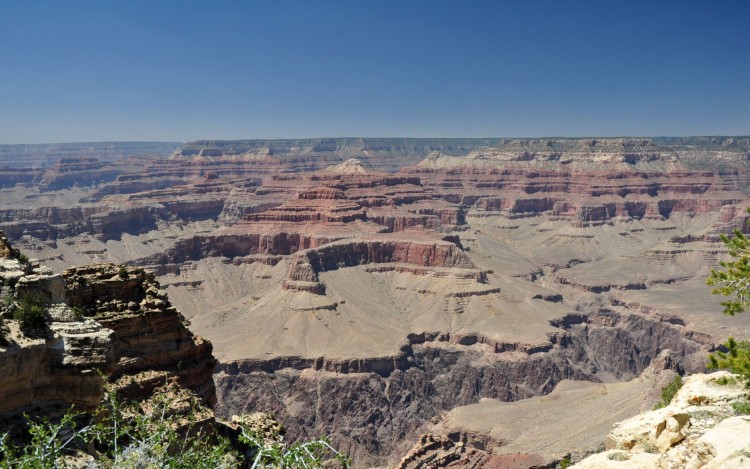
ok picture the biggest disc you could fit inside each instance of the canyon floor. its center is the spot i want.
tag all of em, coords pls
(517, 296)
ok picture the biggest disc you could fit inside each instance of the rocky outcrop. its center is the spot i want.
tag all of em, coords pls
(149, 333)
(101, 323)
(433, 451)
(319, 204)
(9, 177)
(418, 250)
(112, 224)
(700, 428)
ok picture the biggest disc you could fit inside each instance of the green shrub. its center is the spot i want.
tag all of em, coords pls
(48, 442)
(30, 314)
(741, 407)
(8, 300)
(23, 259)
(264, 437)
(725, 381)
(78, 312)
(668, 392)
(734, 280)
(736, 359)
(618, 456)
(565, 462)
(123, 273)
(129, 437)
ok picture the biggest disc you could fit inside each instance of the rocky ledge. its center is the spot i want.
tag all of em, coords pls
(97, 325)
(705, 426)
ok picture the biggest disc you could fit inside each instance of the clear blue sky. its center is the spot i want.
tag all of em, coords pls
(184, 70)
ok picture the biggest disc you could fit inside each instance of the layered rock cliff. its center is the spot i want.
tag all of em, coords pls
(98, 324)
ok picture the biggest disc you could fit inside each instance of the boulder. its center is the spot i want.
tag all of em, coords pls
(724, 446)
(658, 429)
(51, 288)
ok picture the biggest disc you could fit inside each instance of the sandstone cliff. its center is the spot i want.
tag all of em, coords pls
(100, 324)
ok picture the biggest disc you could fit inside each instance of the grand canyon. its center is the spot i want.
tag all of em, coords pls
(441, 302)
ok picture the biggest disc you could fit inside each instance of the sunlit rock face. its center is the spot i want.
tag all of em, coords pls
(104, 324)
(376, 289)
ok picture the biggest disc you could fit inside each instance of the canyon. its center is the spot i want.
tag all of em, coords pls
(467, 296)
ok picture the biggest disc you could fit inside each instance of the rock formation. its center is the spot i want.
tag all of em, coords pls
(100, 324)
(700, 428)
(68, 172)
(378, 289)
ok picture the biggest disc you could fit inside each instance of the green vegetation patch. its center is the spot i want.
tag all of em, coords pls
(618, 456)
(30, 314)
(4, 332)
(151, 434)
(741, 407)
(726, 380)
(736, 359)
(668, 392)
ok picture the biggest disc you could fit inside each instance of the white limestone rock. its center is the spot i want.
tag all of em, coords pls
(659, 429)
(618, 459)
(697, 430)
(725, 445)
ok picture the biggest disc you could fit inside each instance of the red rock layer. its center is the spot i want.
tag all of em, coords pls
(414, 248)
(68, 172)
(585, 195)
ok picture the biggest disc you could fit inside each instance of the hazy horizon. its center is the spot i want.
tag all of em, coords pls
(502, 137)
(176, 72)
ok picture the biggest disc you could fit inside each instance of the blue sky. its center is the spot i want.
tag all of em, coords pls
(183, 70)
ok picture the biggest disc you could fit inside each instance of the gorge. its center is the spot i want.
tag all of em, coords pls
(386, 292)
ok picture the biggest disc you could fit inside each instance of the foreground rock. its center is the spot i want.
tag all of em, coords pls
(100, 325)
(701, 428)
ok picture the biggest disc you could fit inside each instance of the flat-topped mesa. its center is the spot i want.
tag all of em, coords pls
(416, 247)
(318, 214)
(602, 154)
(320, 204)
(44, 155)
(386, 154)
(85, 171)
(597, 155)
